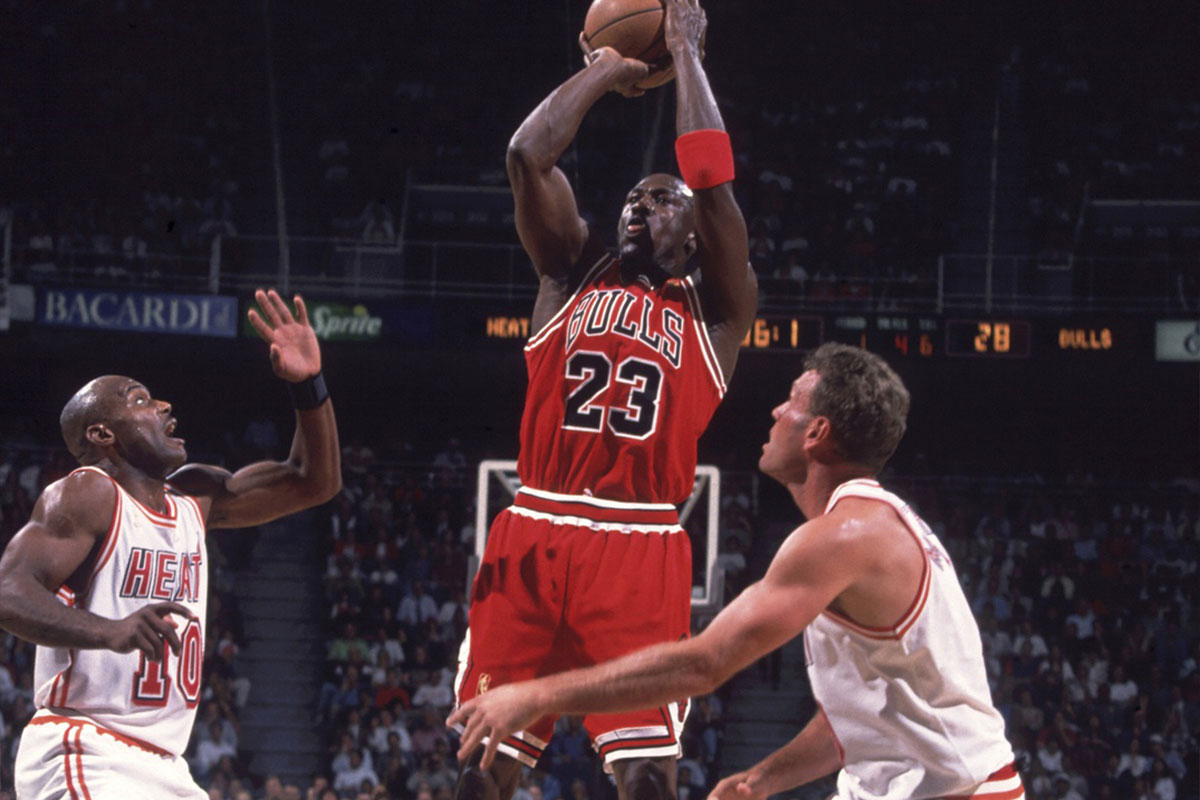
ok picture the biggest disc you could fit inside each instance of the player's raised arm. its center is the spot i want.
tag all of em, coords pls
(312, 473)
(728, 285)
(547, 218)
(57, 545)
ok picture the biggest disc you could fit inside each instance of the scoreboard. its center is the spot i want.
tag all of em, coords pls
(925, 336)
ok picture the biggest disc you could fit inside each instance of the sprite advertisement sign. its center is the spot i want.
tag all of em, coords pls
(336, 322)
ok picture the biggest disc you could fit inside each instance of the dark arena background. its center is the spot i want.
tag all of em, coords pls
(1002, 202)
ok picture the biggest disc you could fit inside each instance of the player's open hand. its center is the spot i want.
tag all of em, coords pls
(685, 26)
(494, 716)
(295, 355)
(739, 786)
(627, 72)
(147, 630)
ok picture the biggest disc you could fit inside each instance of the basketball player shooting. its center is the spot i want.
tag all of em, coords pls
(893, 652)
(629, 358)
(110, 575)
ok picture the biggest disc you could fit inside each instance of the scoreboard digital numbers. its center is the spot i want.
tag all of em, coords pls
(785, 333)
(997, 338)
(918, 336)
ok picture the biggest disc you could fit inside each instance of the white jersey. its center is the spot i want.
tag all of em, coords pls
(145, 558)
(910, 704)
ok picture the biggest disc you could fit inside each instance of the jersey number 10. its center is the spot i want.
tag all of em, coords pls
(152, 682)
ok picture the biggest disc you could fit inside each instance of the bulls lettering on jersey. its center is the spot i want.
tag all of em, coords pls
(622, 382)
(146, 557)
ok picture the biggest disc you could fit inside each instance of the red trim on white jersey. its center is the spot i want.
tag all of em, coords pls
(910, 616)
(110, 539)
(75, 723)
(836, 741)
(199, 514)
(63, 677)
(162, 520)
(66, 748)
(560, 316)
(1003, 784)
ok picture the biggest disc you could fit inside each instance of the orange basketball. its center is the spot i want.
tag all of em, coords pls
(634, 28)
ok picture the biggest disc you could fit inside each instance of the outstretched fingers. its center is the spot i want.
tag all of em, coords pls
(260, 325)
(269, 312)
(281, 307)
(301, 311)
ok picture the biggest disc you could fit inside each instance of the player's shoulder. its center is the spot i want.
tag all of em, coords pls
(84, 494)
(855, 528)
(858, 517)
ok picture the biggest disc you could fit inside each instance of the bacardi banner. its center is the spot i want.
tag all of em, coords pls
(146, 312)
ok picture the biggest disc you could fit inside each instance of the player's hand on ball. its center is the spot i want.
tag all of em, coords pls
(739, 786)
(295, 355)
(628, 70)
(494, 716)
(147, 630)
(685, 26)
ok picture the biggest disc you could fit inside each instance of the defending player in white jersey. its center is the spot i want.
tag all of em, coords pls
(109, 577)
(894, 654)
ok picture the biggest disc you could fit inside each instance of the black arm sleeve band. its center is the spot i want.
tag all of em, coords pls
(308, 393)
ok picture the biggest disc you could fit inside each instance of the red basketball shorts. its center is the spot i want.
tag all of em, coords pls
(568, 581)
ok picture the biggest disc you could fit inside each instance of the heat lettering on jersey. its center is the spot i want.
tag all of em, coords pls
(603, 311)
(929, 542)
(162, 575)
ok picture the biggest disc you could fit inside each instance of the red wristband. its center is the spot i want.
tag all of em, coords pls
(705, 158)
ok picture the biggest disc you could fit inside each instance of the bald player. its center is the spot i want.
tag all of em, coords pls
(110, 575)
(628, 358)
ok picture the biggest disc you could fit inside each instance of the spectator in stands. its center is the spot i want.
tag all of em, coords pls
(348, 645)
(211, 749)
(356, 776)
(417, 607)
(426, 736)
(433, 694)
(1122, 690)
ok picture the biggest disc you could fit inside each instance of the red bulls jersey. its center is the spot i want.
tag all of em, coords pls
(622, 382)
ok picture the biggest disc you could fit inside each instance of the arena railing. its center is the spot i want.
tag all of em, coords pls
(333, 267)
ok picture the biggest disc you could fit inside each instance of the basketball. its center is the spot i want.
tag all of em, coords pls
(634, 28)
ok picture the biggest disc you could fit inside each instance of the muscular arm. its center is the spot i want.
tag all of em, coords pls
(809, 571)
(728, 286)
(267, 490)
(312, 473)
(55, 548)
(813, 754)
(547, 218)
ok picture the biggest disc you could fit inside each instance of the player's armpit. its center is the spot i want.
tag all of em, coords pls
(202, 481)
(804, 577)
(255, 494)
